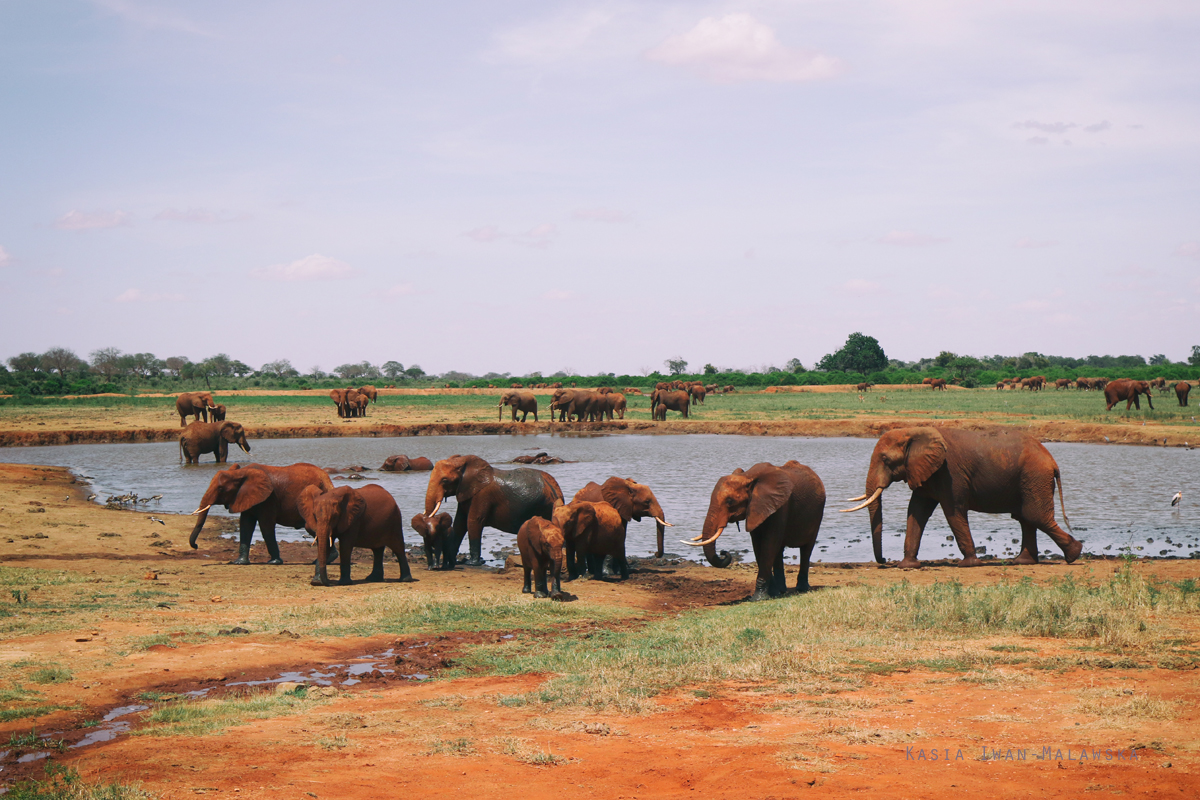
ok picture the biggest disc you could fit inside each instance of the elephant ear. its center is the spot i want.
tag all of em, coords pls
(353, 507)
(476, 474)
(771, 491)
(228, 432)
(255, 489)
(304, 503)
(585, 519)
(616, 492)
(926, 454)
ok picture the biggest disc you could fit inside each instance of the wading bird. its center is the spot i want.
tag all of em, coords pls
(1175, 500)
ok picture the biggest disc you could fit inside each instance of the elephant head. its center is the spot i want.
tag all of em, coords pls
(460, 477)
(751, 496)
(578, 523)
(235, 488)
(328, 514)
(234, 433)
(396, 464)
(433, 531)
(634, 500)
(911, 455)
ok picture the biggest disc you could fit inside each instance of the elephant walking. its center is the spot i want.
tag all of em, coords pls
(1182, 389)
(523, 401)
(662, 401)
(211, 437)
(366, 517)
(1128, 390)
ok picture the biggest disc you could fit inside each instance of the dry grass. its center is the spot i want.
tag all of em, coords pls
(1117, 706)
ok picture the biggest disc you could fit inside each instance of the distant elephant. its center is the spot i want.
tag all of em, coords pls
(613, 403)
(434, 531)
(698, 392)
(338, 396)
(604, 390)
(541, 545)
(671, 400)
(782, 507)
(592, 531)
(937, 383)
(366, 517)
(1127, 390)
(264, 497)
(523, 401)
(1062, 383)
(196, 404)
(926, 381)
(211, 437)
(217, 413)
(995, 471)
(360, 405)
(354, 408)
(487, 497)
(1159, 383)
(584, 404)
(633, 500)
(406, 464)
(370, 392)
(862, 387)
(1182, 389)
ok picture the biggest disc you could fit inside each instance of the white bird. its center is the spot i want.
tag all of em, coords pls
(156, 519)
(91, 497)
(1175, 500)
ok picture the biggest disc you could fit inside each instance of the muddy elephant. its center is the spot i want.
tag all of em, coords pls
(1128, 390)
(592, 532)
(698, 393)
(264, 497)
(338, 396)
(613, 403)
(670, 400)
(995, 471)
(403, 463)
(937, 384)
(434, 532)
(487, 497)
(541, 545)
(523, 401)
(366, 517)
(370, 392)
(782, 507)
(584, 404)
(197, 404)
(355, 403)
(211, 437)
(1182, 389)
(1159, 383)
(633, 500)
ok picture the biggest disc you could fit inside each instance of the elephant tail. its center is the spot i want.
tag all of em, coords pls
(1061, 504)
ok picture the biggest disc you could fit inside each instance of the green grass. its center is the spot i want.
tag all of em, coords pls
(51, 675)
(64, 783)
(8, 714)
(202, 717)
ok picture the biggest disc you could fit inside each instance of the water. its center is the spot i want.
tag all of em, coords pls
(1117, 496)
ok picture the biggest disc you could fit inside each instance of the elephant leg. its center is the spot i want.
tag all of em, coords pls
(765, 559)
(595, 566)
(524, 415)
(920, 509)
(572, 561)
(1070, 546)
(778, 582)
(475, 540)
(405, 570)
(347, 548)
(957, 520)
(805, 561)
(266, 524)
(246, 523)
(1029, 549)
(527, 566)
(539, 579)
(454, 541)
(623, 567)
(377, 566)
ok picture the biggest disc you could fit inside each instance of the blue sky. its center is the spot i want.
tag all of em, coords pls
(598, 186)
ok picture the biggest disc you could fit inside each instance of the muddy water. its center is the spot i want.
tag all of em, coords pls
(1117, 497)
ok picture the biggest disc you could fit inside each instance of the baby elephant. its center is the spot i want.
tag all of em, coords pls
(541, 545)
(366, 517)
(434, 531)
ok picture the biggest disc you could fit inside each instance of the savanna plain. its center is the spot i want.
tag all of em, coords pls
(131, 665)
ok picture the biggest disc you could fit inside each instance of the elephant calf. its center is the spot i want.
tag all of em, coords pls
(434, 532)
(541, 545)
(211, 437)
(591, 532)
(366, 517)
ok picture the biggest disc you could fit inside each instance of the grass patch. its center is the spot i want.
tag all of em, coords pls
(337, 741)
(29, 712)
(451, 747)
(1012, 648)
(64, 783)
(201, 717)
(529, 753)
(51, 675)
(1123, 705)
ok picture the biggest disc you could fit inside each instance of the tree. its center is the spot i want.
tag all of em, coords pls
(145, 365)
(944, 358)
(106, 362)
(1158, 359)
(25, 362)
(414, 372)
(349, 372)
(281, 367)
(393, 369)
(965, 366)
(219, 365)
(1193, 359)
(61, 360)
(793, 365)
(860, 354)
(676, 365)
(709, 369)
(175, 365)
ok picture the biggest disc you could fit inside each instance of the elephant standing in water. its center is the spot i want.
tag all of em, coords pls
(996, 471)
(487, 497)
(264, 497)
(211, 437)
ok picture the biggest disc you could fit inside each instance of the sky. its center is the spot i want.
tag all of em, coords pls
(598, 187)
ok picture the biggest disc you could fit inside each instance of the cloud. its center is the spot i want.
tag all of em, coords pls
(138, 296)
(557, 295)
(600, 215)
(1034, 244)
(1045, 127)
(310, 268)
(736, 48)
(1037, 140)
(547, 41)
(197, 215)
(82, 221)
(910, 239)
(1186, 250)
(860, 286)
(540, 236)
(151, 18)
(400, 290)
(1097, 127)
(5, 258)
(487, 233)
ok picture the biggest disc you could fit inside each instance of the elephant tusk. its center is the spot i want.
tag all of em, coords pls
(706, 542)
(200, 510)
(865, 503)
(856, 499)
(663, 522)
(435, 509)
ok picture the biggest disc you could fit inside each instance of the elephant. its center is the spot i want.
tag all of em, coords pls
(782, 507)
(1159, 383)
(263, 496)
(592, 531)
(217, 413)
(1062, 383)
(338, 396)
(582, 403)
(361, 405)
(366, 517)
(196, 404)
(926, 381)
(995, 471)
(633, 500)
(1182, 389)
(613, 403)
(541, 544)
(211, 437)
(670, 400)
(1128, 390)
(937, 383)
(405, 464)
(370, 392)
(355, 403)
(698, 392)
(862, 387)
(487, 497)
(434, 531)
(604, 390)
(523, 401)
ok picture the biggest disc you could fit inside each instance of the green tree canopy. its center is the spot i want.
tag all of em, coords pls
(860, 354)
(677, 365)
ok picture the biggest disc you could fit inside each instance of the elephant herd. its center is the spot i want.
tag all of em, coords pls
(995, 471)
(1126, 389)
(352, 402)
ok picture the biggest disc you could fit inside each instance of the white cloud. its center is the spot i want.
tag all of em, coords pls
(138, 296)
(196, 215)
(5, 258)
(540, 236)
(487, 233)
(310, 268)
(737, 47)
(1034, 244)
(910, 239)
(547, 41)
(1098, 127)
(601, 215)
(83, 221)
(1187, 250)
(557, 295)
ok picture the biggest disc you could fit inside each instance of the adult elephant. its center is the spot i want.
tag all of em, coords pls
(937, 383)
(211, 437)
(355, 403)
(782, 507)
(366, 517)
(1182, 389)
(633, 500)
(264, 497)
(663, 401)
(370, 392)
(995, 471)
(1062, 383)
(583, 404)
(196, 404)
(403, 463)
(520, 400)
(338, 396)
(592, 532)
(698, 392)
(1128, 390)
(487, 497)
(1159, 383)
(613, 403)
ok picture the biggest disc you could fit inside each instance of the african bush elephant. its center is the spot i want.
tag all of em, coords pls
(995, 471)
(937, 383)
(405, 464)
(1159, 383)
(211, 437)
(264, 497)
(366, 517)
(370, 392)
(782, 507)
(541, 544)
(670, 400)
(592, 531)
(522, 400)
(1128, 390)
(698, 392)
(487, 497)
(196, 404)
(633, 500)
(356, 404)
(338, 396)
(1182, 389)
(613, 403)
(434, 531)
(571, 403)
(217, 413)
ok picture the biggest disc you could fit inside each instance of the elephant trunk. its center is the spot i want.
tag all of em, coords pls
(433, 498)
(196, 529)
(713, 528)
(660, 525)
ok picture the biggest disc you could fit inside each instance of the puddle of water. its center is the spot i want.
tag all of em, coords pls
(25, 759)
